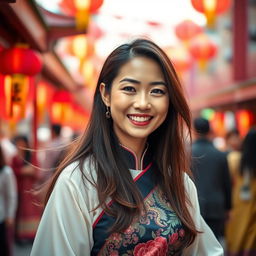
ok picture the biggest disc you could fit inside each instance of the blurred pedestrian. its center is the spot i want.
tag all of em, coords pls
(8, 148)
(123, 189)
(28, 214)
(54, 152)
(212, 178)
(8, 203)
(241, 227)
(233, 141)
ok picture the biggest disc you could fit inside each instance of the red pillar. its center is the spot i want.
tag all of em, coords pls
(240, 39)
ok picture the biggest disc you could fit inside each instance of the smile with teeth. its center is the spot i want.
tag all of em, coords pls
(140, 119)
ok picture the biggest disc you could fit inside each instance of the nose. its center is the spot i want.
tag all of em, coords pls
(142, 102)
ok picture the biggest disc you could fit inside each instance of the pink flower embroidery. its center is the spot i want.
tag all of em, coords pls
(173, 238)
(157, 247)
(181, 232)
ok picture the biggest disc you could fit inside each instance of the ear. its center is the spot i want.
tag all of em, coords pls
(105, 94)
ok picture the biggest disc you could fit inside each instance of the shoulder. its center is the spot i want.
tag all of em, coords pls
(234, 156)
(7, 170)
(234, 159)
(75, 173)
(189, 185)
(77, 185)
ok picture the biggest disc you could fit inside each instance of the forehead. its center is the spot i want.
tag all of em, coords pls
(141, 66)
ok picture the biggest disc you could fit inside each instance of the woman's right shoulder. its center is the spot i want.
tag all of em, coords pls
(76, 172)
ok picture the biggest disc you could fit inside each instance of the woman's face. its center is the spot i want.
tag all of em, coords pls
(138, 100)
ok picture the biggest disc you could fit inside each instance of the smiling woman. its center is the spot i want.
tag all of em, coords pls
(122, 189)
(138, 102)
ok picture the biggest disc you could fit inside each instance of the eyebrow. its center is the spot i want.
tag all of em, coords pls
(130, 80)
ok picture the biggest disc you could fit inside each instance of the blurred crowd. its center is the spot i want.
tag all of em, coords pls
(23, 172)
(225, 180)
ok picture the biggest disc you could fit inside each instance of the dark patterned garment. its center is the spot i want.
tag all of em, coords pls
(157, 232)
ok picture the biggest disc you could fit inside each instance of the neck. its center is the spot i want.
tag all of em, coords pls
(137, 147)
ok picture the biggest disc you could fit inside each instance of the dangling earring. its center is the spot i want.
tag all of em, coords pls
(108, 115)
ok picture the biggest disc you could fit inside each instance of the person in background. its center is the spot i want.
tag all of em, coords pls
(212, 178)
(8, 148)
(8, 204)
(54, 152)
(233, 141)
(28, 214)
(241, 227)
(123, 187)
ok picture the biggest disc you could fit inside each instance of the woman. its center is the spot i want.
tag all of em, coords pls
(122, 190)
(241, 227)
(28, 214)
(8, 202)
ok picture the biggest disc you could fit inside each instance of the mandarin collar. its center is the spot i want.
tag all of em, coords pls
(132, 161)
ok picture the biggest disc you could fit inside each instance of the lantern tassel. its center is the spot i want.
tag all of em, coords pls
(210, 16)
(82, 19)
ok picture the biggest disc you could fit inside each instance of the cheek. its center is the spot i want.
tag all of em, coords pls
(163, 107)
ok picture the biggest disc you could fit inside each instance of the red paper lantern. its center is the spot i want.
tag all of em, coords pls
(187, 29)
(60, 107)
(81, 9)
(244, 119)
(217, 124)
(69, 6)
(202, 49)
(180, 57)
(18, 63)
(210, 8)
(20, 60)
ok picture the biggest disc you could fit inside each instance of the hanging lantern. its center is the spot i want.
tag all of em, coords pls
(211, 8)
(202, 49)
(82, 46)
(81, 9)
(187, 29)
(180, 57)
(244, 119)
(217, 124)
(44, 93)
(18, 63)
(60, 107)
(89, 74)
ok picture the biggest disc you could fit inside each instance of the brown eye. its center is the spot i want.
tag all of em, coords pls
(129, 89)
(158, 91)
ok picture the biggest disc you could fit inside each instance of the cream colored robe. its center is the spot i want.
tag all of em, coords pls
(66, 225)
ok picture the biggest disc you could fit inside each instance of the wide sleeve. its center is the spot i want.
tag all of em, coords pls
(66, 225)
(205, 243)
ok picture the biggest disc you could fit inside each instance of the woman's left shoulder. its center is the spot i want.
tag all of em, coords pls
(188, 182)
(190, 186)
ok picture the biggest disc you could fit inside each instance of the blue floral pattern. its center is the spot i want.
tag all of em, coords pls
(159, 222)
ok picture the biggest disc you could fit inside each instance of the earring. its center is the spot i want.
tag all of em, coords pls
(108, 115)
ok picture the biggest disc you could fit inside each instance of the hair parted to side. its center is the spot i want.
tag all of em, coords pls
(168, 141)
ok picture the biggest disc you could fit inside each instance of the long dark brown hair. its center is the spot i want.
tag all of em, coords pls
(168, 141)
